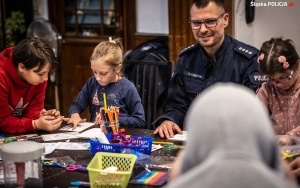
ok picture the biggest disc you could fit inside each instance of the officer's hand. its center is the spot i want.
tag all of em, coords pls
(167, 129)
(294, 166)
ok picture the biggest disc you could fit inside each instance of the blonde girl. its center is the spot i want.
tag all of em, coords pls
(108, 88)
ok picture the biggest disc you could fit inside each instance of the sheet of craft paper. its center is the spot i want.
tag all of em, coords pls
(50, 147)
(80, 127)
(179, 137)
(59, 136)
(156, 147)
(74, 145)
(91, 133)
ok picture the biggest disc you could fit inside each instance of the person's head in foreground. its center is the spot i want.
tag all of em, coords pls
(231, 143)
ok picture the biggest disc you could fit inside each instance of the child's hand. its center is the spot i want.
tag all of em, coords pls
(75, 120)
(49, 123)
(98, 119)
(52, 112)
(294, 166)
(285, 140)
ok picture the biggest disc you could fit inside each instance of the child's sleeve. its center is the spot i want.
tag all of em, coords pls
(135, 116)
(81, 101)
(294, 132)
(263, 95)
(23, 122)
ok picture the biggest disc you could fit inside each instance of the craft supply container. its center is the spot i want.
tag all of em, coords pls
(22, 163)
(144, 145)
(119, 178)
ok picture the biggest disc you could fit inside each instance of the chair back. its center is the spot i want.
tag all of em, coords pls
(151, 79)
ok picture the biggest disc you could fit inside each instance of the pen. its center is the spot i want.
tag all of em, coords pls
(33, 138)
(84, 138)
(80, 183)
(162, 143)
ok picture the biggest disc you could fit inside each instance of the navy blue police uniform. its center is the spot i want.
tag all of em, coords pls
(233, 62)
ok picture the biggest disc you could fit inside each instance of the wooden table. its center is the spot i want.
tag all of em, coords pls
(55, 177)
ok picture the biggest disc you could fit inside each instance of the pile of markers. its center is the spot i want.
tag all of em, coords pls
(110, 119)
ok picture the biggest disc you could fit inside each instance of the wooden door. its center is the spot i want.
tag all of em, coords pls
(75, 71)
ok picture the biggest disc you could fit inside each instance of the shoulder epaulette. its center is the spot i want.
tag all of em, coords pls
(246, 51)
(188, 49)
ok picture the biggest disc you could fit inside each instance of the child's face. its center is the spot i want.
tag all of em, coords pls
(283, 80)
(104, 73)
(33, 76)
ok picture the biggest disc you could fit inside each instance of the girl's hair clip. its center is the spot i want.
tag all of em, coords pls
(282, 59)
(111, 40)
(260, 57)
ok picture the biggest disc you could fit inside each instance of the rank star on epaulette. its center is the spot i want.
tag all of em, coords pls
(189, 48)
(245, 50)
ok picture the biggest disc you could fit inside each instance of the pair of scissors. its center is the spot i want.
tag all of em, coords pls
(75, 167)
(51, 163)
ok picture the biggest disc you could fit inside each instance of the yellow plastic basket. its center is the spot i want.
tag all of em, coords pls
(99, 177)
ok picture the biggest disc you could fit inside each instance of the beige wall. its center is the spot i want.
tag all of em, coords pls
(270, 21)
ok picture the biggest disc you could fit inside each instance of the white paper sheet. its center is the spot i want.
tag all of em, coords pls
(179, 137)
(156, 147)
(91, 133)
(74, 146)
(59, 136)
(50, 147)
(80, 127)
(94, 133)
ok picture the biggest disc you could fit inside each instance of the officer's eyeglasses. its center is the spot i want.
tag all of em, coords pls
(209, 23)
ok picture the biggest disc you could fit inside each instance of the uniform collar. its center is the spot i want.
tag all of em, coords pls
(206, 60)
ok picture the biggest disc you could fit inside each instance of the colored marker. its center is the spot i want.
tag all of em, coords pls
(80, 183)
(162, 143)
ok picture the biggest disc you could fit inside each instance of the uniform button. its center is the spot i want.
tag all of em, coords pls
(250, 52)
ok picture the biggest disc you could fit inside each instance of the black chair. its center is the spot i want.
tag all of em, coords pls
(151, 79)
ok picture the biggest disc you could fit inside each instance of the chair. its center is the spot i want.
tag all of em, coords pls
(151, 79)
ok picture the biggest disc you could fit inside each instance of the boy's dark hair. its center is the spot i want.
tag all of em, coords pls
(33, 52)
(272, 50)
(204, 3)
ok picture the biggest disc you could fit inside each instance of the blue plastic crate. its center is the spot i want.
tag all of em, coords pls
(144, 146)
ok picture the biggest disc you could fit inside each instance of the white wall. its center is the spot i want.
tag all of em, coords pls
(270, 21)
(152, 16)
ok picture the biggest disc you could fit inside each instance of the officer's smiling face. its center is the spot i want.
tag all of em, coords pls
(210, 34)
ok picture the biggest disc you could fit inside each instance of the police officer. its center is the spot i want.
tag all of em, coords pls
(216, 57)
